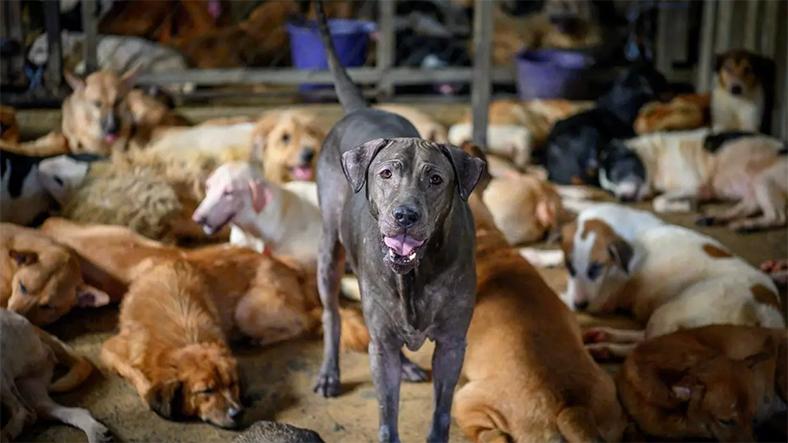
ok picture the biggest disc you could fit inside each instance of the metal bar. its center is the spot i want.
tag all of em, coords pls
(482, 69)
(706, 53)
(386, 44)
(286, 76)
(768, 34)
(54, 69)
(90, 27)
(724, 20)
(751, 25)
(13, 25)
(664, 49)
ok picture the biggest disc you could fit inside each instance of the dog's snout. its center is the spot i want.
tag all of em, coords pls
(236, 414)
(581, 305)
(736, 89)
(307, 155)
(109, 124)
(406, 217)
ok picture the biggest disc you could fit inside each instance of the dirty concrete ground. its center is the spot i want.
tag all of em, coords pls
(278, 379)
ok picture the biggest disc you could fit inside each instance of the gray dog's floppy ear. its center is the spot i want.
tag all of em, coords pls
(166, 399)
(356, 162)
(468, 169)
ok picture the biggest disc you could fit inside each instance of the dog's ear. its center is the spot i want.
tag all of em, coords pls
(90, 297)
(621, 253)
(719, 60)
(166, 399)
(23, 258)
(130, 77)
(77, 83)
(261, 194)
(260, 132)
(468, 169)
(356, 162)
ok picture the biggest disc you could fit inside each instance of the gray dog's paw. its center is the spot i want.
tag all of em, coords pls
(327, 385)
(413, 373)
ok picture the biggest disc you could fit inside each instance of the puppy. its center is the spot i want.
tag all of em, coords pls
(692, 166)
(519, 389)
(669, 277)
(9, 128)
(96, 116)
(262, 214)
(287, 144)
(738, 101)
(40, 277)
(715, 382)
(684, 112)
(28, 365)
(182, 309)
(429, 128)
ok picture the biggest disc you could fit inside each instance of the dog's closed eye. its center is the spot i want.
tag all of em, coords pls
(727, 423)
(22, 289)
(209, 391)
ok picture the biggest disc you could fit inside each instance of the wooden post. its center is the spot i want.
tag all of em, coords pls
(54, 71)
(481, 86)
(386, 44)
(706, 55)
(90, 27)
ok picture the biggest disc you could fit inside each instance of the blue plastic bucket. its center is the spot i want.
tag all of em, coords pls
(350, 37)
(548, 73)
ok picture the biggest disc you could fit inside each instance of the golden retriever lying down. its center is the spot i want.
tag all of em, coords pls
(184, 306)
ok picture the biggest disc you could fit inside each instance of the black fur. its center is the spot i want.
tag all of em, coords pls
(638, 85)
(714, 142)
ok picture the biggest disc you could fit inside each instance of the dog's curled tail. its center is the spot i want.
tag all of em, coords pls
(349, 95)
(79, 367)
(355, 334)
(577, 425)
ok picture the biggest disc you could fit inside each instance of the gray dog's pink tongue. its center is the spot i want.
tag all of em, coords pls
(402, 244)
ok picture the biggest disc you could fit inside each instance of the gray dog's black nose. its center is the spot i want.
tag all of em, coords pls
(406, 217)
(581, 305)
(736, 90)
(307, 155)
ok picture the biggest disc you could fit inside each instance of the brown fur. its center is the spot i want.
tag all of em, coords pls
(715, 252)
(149, 115)
(682, 385)
(9, 128)
(279, 140)
(684, 112)
(41, 278)
(740, 66)
(51, 144)
(765, 296)
(519, 388)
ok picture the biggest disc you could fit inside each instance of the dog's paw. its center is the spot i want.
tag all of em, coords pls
(100, 434)
(705, 220)
(595, 336)
(412, 373)
(327, 385)
(743, 227)
(667, 205)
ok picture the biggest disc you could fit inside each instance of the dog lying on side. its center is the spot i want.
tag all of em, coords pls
(41, 278)
(28, 365)
(738, 100)
(690, 167)
(9, 128)
(96, 116)
(715, 382)
(182, 310)
(683, 112)
(262, 214)
(519, 389)
(670, 277)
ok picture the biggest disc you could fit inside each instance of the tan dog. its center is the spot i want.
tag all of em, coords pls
(288, 143)
(150, 115)
(714, 382)
(737, 102)
(262, 214)
(519, 388)
(684, 112)
(41, 278)
(28, 364)
(184, 306)
(9, 128)
(96, 116)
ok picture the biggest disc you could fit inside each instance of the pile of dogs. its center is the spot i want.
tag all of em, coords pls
(429, 231)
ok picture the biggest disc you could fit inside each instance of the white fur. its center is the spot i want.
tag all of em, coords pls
(731, 112)
(33, 200)
(216, 139)
(513, 142)
(61, 176)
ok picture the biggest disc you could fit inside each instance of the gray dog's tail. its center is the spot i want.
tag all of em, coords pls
(349, 95)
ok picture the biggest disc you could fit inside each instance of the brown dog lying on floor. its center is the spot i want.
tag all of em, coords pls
(9, 128)
(184, 306)
(40, 278)
(684, 112)
(714, 382)
(529, 376)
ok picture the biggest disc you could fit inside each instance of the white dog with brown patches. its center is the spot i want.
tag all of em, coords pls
(284, 220)
(670, 277)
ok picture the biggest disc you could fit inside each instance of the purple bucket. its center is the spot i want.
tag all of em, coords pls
(552, 74)
(350, 37)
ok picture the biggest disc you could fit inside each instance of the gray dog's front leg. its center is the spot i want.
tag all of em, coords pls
(386, 374)
(446, 366)
(329, 266)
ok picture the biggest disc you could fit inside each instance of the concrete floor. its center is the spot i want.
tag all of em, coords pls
(278, 380)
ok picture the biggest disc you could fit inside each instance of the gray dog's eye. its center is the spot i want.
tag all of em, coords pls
(385, 174)
(436, 180)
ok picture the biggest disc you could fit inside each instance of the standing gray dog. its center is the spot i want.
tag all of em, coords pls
(410, 240)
